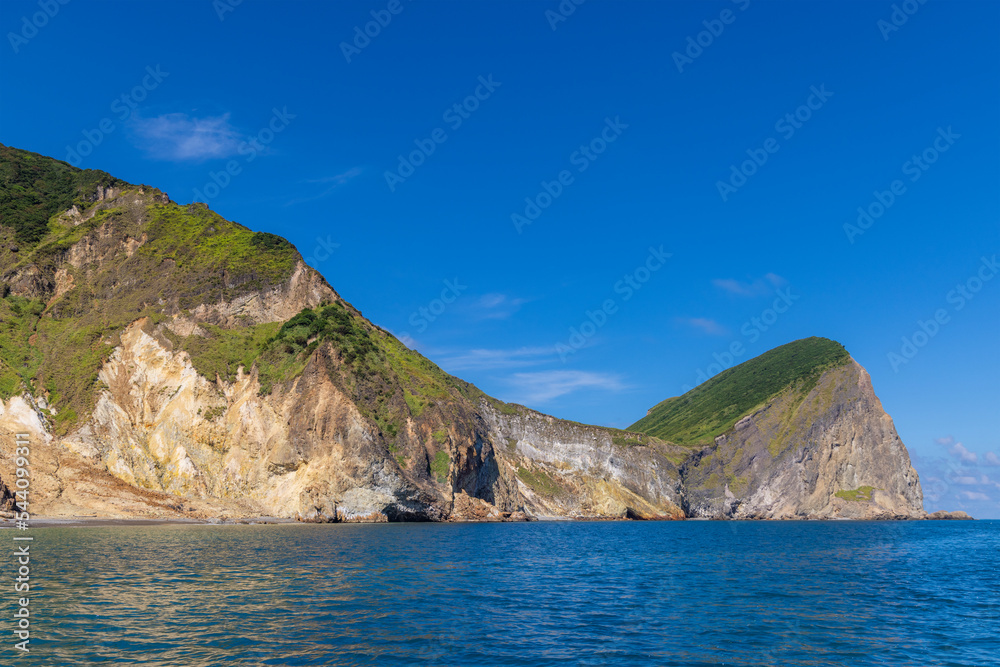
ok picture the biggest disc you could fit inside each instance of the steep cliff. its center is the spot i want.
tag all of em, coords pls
(167, 362)
(815, 443)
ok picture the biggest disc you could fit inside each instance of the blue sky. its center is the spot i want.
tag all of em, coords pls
(487, 178)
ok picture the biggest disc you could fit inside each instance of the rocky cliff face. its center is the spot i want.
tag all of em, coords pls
(567, 469)
(167, 362)
(305, 450)
(830, 452)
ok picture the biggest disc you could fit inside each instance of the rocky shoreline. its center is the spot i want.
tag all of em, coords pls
(509, 517)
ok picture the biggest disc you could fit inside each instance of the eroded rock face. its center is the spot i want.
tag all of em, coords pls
(161, 431)
(64, 484)
(306, 451)
(832, 452)
(303, 451)
(571, 470)
(305, 289)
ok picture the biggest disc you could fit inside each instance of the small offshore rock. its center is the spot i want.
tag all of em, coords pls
(942, 515)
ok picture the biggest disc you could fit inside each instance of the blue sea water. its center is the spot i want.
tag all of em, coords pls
(622, 593)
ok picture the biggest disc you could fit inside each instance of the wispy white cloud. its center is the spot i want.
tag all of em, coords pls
(496, 306)
(759, 287)
(965, 480)
(543, 386)
(337, 179)
(964, 454)
(957, 480)
(957, 450)
(991, 459)
(331, 182)
(482, 359)
(708, 326)
(181, 138)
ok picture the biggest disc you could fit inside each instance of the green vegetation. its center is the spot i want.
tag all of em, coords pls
(738, 485)
(180, 257)
(860, 494)
(73, 351)
(422, 378)
(371, 366)
(34, 187)
(439, 466)
(221, 352)
(539, 481)
(209, 257)
(713, 407)
(214, 413)
(416, 404)
(65, 418)
(280, 351)
(395, 450)
(504, 408)
(268, 241)
(19, 359)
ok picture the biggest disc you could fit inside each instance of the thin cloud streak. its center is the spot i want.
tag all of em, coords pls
(544, 386)
(178, 137)
(705, 325)
(335, 182)
(496, 306)
(484, 360)
(759, 287)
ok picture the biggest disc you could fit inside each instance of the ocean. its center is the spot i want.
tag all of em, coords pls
(542, 593)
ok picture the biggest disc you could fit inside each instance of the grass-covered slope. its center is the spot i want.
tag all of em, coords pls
(387, 381)
(34, 187)
(712, 407)
(70, 284)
